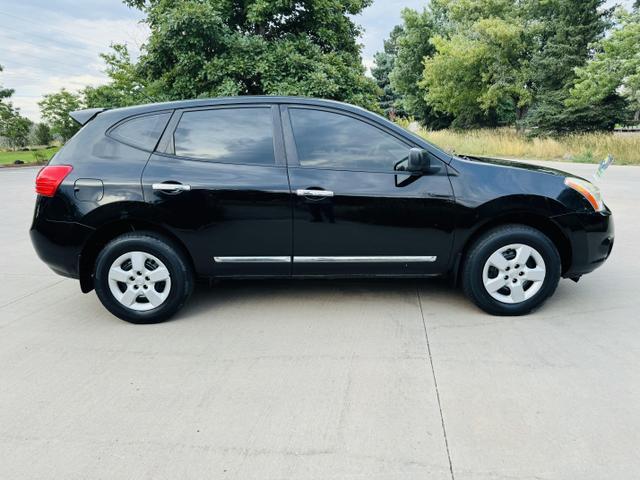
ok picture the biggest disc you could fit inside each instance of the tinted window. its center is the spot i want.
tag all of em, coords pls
(242, 135)
(331, 140)
(143, 132)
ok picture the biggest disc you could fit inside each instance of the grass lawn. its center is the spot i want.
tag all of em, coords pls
(507, 143)
(7, 158)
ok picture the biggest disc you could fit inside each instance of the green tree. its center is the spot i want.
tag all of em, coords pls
(562, 34)
(436, 25)
(413, 46)
(5, 107)
(614, 69)
(55, 109)
(561, 38)
(504, 61)
(126, 87)
(477, 72)
(42, 134)
(13, 126)
(553, 115)
(452, 16)
(201, 48)
(4, 92)
(384, 62)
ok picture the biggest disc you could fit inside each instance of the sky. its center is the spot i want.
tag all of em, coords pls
(49, 44)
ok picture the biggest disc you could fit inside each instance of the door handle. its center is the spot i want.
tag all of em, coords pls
(171, 187)
(314, 193)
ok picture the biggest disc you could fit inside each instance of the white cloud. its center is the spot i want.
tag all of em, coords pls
(65, 53)
(99, 34)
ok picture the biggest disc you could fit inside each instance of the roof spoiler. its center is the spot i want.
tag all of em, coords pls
(85, 116)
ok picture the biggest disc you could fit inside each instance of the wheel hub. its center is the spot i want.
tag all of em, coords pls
(139, 281)
(514, 273)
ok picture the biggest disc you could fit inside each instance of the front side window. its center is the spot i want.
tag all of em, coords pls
(227, 135)
(142, 132)
(331, 140)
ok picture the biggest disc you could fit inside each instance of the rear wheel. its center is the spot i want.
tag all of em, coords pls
(511, 270)
(143, 278)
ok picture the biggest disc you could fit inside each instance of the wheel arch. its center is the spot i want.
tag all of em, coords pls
(534, 220)
(107, 232)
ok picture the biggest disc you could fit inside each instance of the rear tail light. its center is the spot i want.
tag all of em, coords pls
(50, 178)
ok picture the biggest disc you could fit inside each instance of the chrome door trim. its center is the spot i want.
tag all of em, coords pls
(370, 259)
(252, 259)
(171, 187)
(314, 193)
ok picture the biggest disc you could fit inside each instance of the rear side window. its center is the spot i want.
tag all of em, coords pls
(331, 140)
(142, 132)
(227, 135)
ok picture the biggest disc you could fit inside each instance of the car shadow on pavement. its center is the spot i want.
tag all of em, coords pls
(257, 295)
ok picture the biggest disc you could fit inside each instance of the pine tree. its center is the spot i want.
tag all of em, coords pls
(384, 63)
(562, 35)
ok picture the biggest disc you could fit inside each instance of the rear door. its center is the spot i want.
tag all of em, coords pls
(219, 182)
(355, 212)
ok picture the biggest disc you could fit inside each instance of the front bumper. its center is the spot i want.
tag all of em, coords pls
(591, 236)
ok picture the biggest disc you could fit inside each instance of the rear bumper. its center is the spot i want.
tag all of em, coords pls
(59, 244)
(591, 236)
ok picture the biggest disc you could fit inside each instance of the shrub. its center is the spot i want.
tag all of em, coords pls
(40, 156)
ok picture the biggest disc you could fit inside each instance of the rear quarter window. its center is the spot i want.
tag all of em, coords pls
(141, 132)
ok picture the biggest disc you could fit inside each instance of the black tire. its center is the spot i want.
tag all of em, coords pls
(179, 267)
(492, 241)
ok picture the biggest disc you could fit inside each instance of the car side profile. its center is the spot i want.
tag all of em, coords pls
(144, 201)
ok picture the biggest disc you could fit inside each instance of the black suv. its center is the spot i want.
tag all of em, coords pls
(145, 200)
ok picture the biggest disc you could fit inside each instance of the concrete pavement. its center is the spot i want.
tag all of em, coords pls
(319, 380)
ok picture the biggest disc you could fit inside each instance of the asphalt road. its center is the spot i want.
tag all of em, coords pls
(320, 380)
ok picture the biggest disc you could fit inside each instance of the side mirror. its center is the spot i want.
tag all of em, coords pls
(418, 160)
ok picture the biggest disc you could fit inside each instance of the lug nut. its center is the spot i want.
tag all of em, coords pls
(132, 278)
(515, 280)
(135, 287)
(506, 277)
(517, 266)
(508, 268)
(521, 274)
(139, 273)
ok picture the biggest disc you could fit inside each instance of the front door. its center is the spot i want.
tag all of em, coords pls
(354, 212)
(219, 182)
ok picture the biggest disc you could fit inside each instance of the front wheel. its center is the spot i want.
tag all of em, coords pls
(511, 270)
(143, 278)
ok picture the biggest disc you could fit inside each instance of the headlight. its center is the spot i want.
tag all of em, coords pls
(588, 190)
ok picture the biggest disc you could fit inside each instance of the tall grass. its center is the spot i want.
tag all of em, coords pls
(508, 143)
